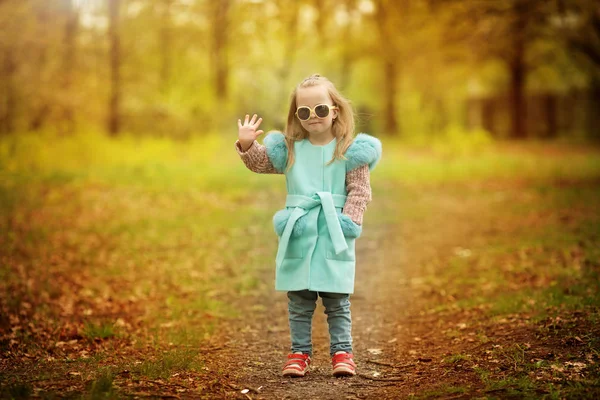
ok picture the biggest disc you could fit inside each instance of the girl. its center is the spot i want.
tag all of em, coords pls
(327, 176)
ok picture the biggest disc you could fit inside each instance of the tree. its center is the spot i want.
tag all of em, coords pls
(348, 53)
(114, 121)
(580, 28)
(288, 15)
(219, 12)
(69, 65)
(387, 16)
(504, 30)
(166, 39)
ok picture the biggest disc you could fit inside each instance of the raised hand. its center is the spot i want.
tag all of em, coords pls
(247, 132)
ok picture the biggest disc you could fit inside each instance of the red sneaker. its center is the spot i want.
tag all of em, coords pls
(296, 365)
(343, 365)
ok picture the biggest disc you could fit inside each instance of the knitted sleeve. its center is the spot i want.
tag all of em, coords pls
(358, 187)
(256, 158)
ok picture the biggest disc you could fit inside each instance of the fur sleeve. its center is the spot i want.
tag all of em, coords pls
(276, 150)
(364, 150)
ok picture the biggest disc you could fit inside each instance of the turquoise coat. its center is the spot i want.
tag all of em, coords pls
(317, 247)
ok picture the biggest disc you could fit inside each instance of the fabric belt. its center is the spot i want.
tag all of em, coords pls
(302, 205)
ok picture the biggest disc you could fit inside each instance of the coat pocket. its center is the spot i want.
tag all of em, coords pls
(281, 218)
(350, 229)
(346, 255)
(295, 248)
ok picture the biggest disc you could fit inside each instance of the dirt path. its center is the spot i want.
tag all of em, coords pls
(397, 342)
(406, 345)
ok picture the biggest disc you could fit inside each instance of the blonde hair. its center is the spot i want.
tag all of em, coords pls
(342, 127)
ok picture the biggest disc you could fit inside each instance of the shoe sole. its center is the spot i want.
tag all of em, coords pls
(343, 372)
(293, 373)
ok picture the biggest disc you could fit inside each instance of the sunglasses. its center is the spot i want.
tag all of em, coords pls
(321, 111)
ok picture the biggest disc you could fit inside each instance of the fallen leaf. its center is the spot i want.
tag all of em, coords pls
(464, 253)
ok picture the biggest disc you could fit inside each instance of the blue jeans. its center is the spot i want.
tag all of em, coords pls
(301, 307)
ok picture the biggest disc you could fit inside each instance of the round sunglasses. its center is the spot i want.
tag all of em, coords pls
(321, 111)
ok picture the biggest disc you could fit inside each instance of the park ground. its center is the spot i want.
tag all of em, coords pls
(149, 274)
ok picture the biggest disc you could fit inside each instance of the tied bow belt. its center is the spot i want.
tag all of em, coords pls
(302, 205)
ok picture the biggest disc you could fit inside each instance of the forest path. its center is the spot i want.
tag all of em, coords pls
(481, 289)
(409, 339)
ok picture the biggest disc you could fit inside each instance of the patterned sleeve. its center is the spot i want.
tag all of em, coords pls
(256, 159)
(358, 187)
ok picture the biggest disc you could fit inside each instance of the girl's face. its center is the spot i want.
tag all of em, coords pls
(312, 96)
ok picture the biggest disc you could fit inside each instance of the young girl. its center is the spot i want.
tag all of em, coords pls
(327, 176)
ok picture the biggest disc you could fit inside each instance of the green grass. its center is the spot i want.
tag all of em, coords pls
(17, 391)
(456, 358)
(524, 162)
(548, 262)
(98, 330)
(102, 387)
(168, 363)
(444, 390)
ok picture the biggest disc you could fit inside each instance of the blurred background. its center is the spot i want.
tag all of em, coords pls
(413, 69)
(131, 232)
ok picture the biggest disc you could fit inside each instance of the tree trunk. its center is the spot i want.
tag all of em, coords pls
(551, 117)
(165, 45)
(389, 57)
(518, 73)
(68, 69)
(114, 123)
(7, 93)
(347, 58)
(220, 47)
(517, 84)
(289, 13)
(40, 105)
(487, 115)
(324, 10)
(391, 121)
(592, 111)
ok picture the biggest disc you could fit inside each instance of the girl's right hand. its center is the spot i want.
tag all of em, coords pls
(247, 132)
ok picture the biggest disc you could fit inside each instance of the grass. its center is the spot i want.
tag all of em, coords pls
(168, 363)
(545, 264)
(513, 355)
(148, 240)
(17, 391)
(102, 387)
(98, 331)
(536, 274)
(443, 390)
(456, 358)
